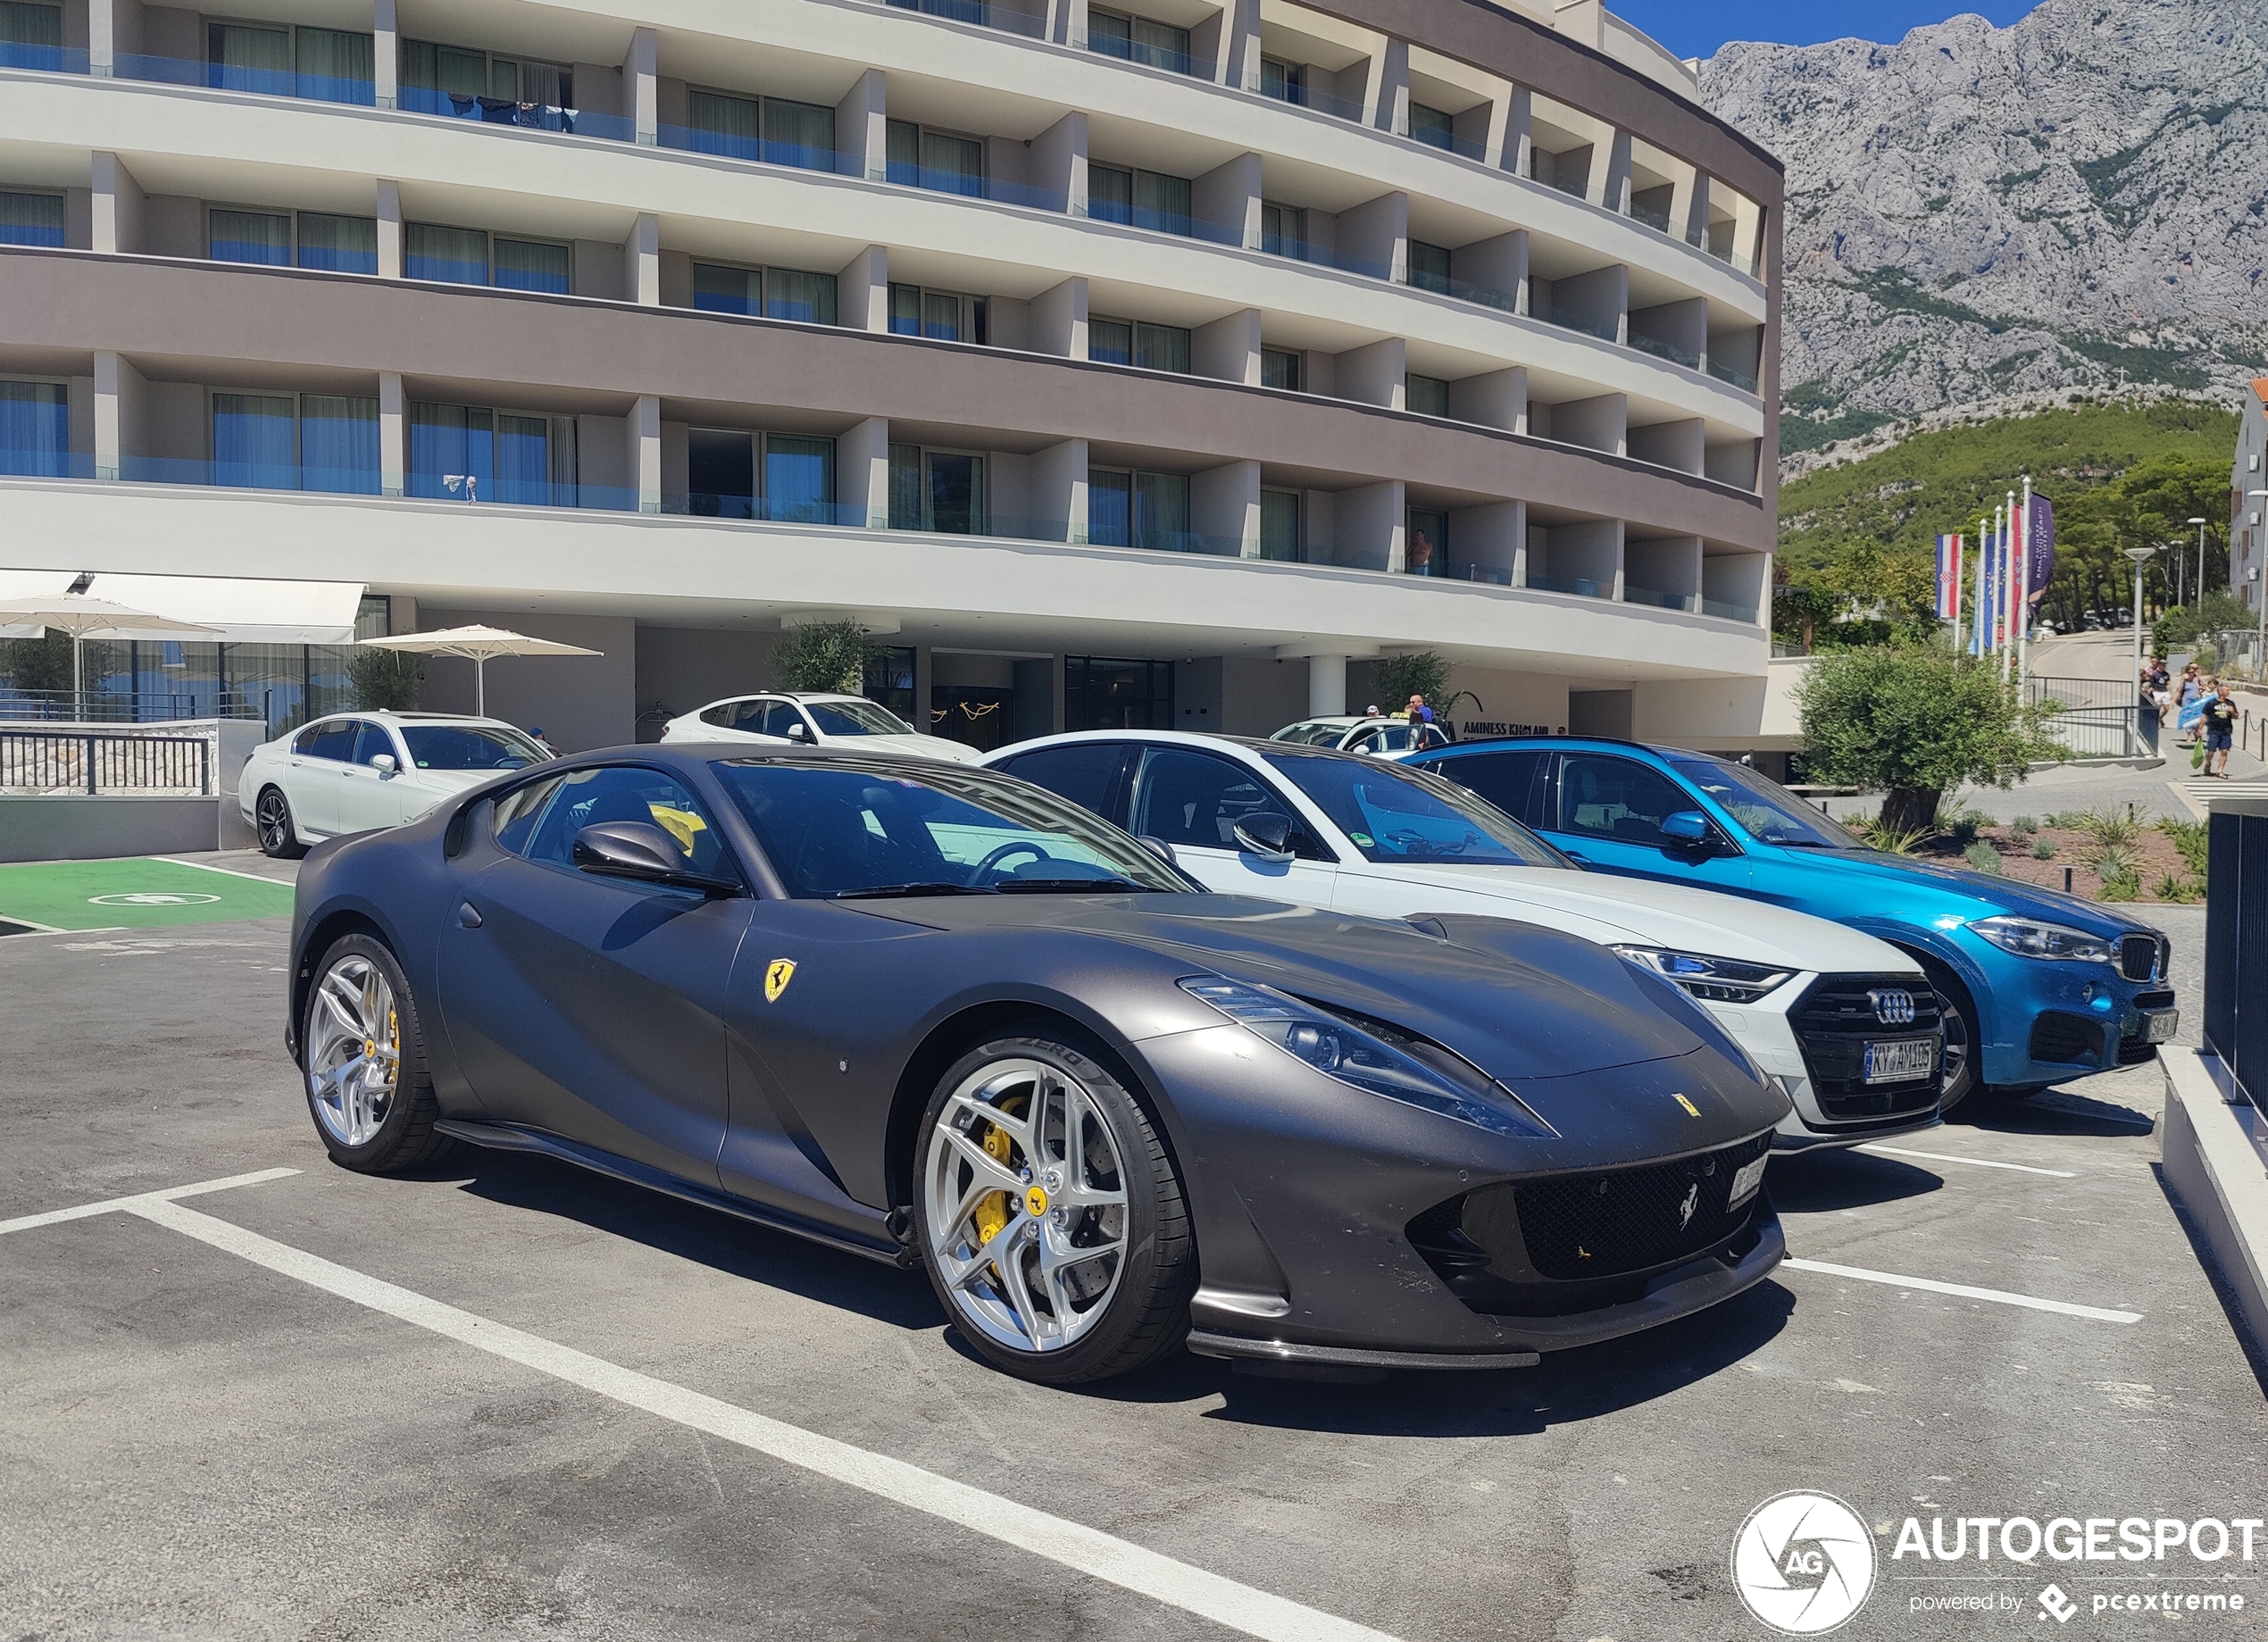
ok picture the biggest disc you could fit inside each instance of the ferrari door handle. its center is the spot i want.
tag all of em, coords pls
(468, 914)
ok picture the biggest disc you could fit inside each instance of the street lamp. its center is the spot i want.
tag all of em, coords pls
(2199, 596)
(2260, 601)
(2141, 556)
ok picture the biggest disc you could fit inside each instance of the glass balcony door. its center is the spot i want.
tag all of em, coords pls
(255, 441)
(32, 36)
(937, 490)
(31, 218)
(939, 161)
(472, 453)
(34, 429)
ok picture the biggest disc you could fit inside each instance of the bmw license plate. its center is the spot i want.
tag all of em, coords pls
(2160, 1027)
(1751, 1176)
(1901, 1060)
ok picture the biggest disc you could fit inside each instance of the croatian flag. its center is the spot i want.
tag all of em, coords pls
(1949, 577)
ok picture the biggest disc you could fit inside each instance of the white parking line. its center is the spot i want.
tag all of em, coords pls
(1072, 1544)
(1962, 1289)
(1982, 1163)
(207, 866)
(115, 1206)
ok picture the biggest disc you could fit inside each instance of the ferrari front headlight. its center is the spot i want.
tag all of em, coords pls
(1374, 1056)
(1712, 980)
(2029, 938)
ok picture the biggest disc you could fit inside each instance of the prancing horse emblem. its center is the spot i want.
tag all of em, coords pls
(1692, 1201)
(776, 978)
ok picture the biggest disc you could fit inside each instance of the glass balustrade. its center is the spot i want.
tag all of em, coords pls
(1583, 587)
(271, 82)
(1746, 614)
(1662, 349)
(762, 150)
(1653, 595)
(1744, 380)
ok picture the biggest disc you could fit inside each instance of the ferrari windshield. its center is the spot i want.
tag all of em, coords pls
(1767, 811)
(470, 747)
(856, 718)
(1396, 815)
(871, 829)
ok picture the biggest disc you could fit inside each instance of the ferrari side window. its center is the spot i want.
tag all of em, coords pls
(627, 793)
(519, 811)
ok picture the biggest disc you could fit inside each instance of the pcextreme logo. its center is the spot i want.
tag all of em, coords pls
(1804, 1563)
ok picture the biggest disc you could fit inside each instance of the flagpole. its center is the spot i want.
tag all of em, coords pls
(2023, 592)
(1976, 616)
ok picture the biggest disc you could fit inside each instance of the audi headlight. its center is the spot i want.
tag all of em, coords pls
(1714, 980)
(1374, 1056)
(2028, 937)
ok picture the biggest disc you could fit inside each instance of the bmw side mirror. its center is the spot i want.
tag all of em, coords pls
(384, 764)
(796, 732)
(1160, 849)
(1686, 827)
(642, 851)
(1267, 836)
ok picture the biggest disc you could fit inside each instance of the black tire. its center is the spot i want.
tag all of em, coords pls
(1960, 1017)
(276, 827)
(403, 1136)
(1146, 1314)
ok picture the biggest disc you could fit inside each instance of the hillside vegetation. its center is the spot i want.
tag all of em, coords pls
(1858, 540)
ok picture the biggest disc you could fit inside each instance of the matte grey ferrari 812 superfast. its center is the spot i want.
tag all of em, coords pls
(937, 1016)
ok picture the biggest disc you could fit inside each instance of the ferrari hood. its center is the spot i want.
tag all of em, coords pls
(1615, 910)
(1521, 1002)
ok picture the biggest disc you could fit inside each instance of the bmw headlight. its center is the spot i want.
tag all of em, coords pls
(1373, 1056)
(2028, 937)
(1714, 980)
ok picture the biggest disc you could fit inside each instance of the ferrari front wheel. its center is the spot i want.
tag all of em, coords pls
(1052, 1223)
(363, 1048)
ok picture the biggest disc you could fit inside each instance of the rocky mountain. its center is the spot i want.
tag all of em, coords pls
(1981, 216)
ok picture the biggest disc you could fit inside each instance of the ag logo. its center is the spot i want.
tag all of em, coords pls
(151, 898)
(1803, 1563)
(776, 978)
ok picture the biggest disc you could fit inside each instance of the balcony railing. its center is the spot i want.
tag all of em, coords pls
(982, 14)
(1321, 101)
(761, 151)
(1662, 348)
(769, 510)
(261, 83)
(504, 111)
(1744, 380)
(1550, 312)
(1583, 587)
(103, 704)
(1464, 291)
(1148, 56)
(44, 59)
(1729, 612)
(1654, 597)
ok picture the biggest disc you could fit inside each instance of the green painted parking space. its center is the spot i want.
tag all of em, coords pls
(141, 893)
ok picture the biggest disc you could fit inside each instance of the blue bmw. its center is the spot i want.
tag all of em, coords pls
(2040, 986)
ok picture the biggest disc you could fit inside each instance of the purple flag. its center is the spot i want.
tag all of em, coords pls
(2040, 539)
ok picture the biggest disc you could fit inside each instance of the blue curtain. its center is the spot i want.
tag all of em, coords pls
(452, 441)
(1110, 508)
(726, 290)
(338, 444)
(338, 244)
(34, 429)
(31, 218)
(454, 255)
(528, 265)
(262, 237)
(523, 460)
(799, 480)
(253, 442)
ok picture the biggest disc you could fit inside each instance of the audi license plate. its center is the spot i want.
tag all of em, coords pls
(1751, 1176)
(1901, 1060)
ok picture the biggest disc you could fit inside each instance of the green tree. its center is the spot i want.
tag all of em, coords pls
(385, 680)
(1910, 722)
(1395, 678)
(39, 665)
(1799, 609)
(826, 655)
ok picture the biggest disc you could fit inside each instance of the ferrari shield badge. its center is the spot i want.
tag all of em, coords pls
(1691, 1109)
(775, 976)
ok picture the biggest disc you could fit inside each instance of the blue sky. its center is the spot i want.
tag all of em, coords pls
(1696, 28)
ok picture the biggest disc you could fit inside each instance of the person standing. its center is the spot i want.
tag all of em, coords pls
(2219, 722)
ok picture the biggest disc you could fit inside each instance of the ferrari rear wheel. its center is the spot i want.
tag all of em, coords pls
(278, 833)
(364, 1048)
(1052, 1225)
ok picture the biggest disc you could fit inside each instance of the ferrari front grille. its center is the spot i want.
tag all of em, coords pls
(1629, 1219)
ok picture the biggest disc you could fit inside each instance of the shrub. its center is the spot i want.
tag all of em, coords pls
(385, 680)
(1962, 831)
(1889, 840)
(826, 655)
(2108, 830)
(2112, 860)
(2125, 886)
(2177, 887)
(2043, 849)
(1395, 678)
(2189, 838)
(40, 666)
(1982, 857)
(2023, 826)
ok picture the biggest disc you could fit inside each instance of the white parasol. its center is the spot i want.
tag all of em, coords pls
(84, 618)
(477, 644)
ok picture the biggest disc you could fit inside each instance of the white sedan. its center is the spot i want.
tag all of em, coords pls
(358, 772)
(1846, 1023)
(1386, 738)
(813, 718)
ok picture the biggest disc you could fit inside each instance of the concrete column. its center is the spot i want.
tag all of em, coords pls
(1689, 207)
(1226, 201)
(1493, 399)
(1386, 93)
(1058, 161)
(1371, 524)
(1326, 686)
(118, 204)
(1600, 298)
(1375, 236)
(389, 230)
(1224, 503)
(643, 426)
(386, 54)
(1233, 36)
(1508, 125)
(1376, 374)
(121, 415)
(1067, 23)
(1058, 494)
(392, 436)
(1598, 424)
(1489, 542)
(862, 291)
(1610, 185)
(103, 44)
(862, 126)
(642, 260)
(1059, 320)
(642, 89)
(863, 470)
(1227, 350)
(1498, 264)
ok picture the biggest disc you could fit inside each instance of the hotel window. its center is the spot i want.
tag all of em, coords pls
(1138, 40)
(31, 218)
(1283, 229)
(939, 490)
(1427, 396)
(334, 243)
(1280, 368)
(771, 129)
(31, 36)
(472, 453)
(1133, 509)
(942, 161)
(328, 65)
(462, 256)
(1433, 127)
(1135, 342)
(1429, 266)
(1425, 552)
(735, 475)
(942, 316)
(1287, 82)
(1138, 198)
(1279, 535)
(34, 429)
(338, 244)
(452, 79)
(770, 292)
(326, 442)
(1104, 693)
(888, 679)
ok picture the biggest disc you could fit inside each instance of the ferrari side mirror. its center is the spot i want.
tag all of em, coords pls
(642, 851)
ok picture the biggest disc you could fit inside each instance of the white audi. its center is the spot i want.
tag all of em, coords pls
(358, 772)
(812, 717)
(1845, 1024)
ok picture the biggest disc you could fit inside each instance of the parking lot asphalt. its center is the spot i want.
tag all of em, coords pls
(206, 1433)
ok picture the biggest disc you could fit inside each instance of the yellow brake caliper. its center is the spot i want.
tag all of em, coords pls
(992, 1209)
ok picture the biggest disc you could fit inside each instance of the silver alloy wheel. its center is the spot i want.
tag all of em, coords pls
(353, 1050)
(273, 818)
(1031, 1245)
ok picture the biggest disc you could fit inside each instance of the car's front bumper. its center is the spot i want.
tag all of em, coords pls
(2054, 1021)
